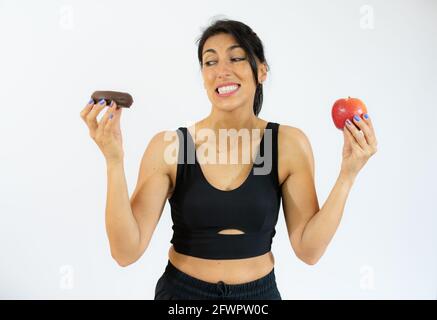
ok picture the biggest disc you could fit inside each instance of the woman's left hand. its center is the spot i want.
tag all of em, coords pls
(359, 145)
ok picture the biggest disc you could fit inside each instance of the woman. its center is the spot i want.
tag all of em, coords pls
(224, 215)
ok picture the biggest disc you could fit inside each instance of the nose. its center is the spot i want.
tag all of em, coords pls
(223, 69)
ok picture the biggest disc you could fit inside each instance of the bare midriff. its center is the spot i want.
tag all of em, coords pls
(232, 271)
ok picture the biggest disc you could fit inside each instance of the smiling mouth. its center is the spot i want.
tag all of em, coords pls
(228, 90)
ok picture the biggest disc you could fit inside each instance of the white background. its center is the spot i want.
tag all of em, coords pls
(54, 54)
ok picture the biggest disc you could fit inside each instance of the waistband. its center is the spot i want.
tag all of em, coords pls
(197, 286)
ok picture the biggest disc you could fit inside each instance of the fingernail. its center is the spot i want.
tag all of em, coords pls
(110, 116)
(357, 118)
(91, 101)
(366, 116)
(112, 102)
(348, 122)
(102, 101)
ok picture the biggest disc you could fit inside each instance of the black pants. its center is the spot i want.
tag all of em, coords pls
(177, 285)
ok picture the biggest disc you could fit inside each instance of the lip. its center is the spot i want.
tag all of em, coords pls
(227, 84)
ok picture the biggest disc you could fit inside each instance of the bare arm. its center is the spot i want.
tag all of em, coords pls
(131, 223)
(320, 229)
(299, 198)
(311, 229)
(121, 225)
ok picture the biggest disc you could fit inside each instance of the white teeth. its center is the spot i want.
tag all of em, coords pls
(227, 89)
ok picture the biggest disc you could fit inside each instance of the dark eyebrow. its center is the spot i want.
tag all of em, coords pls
(228, 49)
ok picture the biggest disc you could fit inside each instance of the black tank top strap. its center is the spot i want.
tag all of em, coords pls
(275, 173)
(268, 164)
(180, 168)
(185, 154)
(182, 137)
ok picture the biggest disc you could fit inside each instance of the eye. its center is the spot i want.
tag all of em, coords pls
(208, 63)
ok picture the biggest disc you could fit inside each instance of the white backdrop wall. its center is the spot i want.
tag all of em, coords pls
(54, 54)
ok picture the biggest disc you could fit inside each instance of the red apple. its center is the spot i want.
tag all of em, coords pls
(346, 109)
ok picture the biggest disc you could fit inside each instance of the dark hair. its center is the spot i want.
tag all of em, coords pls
(248, 40)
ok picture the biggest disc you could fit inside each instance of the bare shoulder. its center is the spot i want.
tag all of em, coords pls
(290, 136)
(160, 151)
(294, 149)
(158, 161)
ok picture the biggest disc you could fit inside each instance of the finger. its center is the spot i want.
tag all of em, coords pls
(358, 135)
(117, 109)
(347, 145)
(355, 146)
(117, 112)
(91, 118)
(350, 138)
(369, 123)
(116, 115)
(103, 122)
(84, 112)
(368, 134)
(368, 120)
(116, 106)
(347, 137)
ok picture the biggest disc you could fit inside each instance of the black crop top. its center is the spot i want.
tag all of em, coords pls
(200, 211)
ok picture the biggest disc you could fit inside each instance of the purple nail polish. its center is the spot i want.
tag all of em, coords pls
(111, 116)
(348, 122)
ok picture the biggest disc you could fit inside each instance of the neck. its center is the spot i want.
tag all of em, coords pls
(236, 119)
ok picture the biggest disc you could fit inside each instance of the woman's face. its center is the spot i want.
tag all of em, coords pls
(223, 61)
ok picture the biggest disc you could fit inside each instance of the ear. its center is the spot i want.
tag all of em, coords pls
(262, 72)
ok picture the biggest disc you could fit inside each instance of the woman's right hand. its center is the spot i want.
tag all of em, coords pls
(106, 133)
